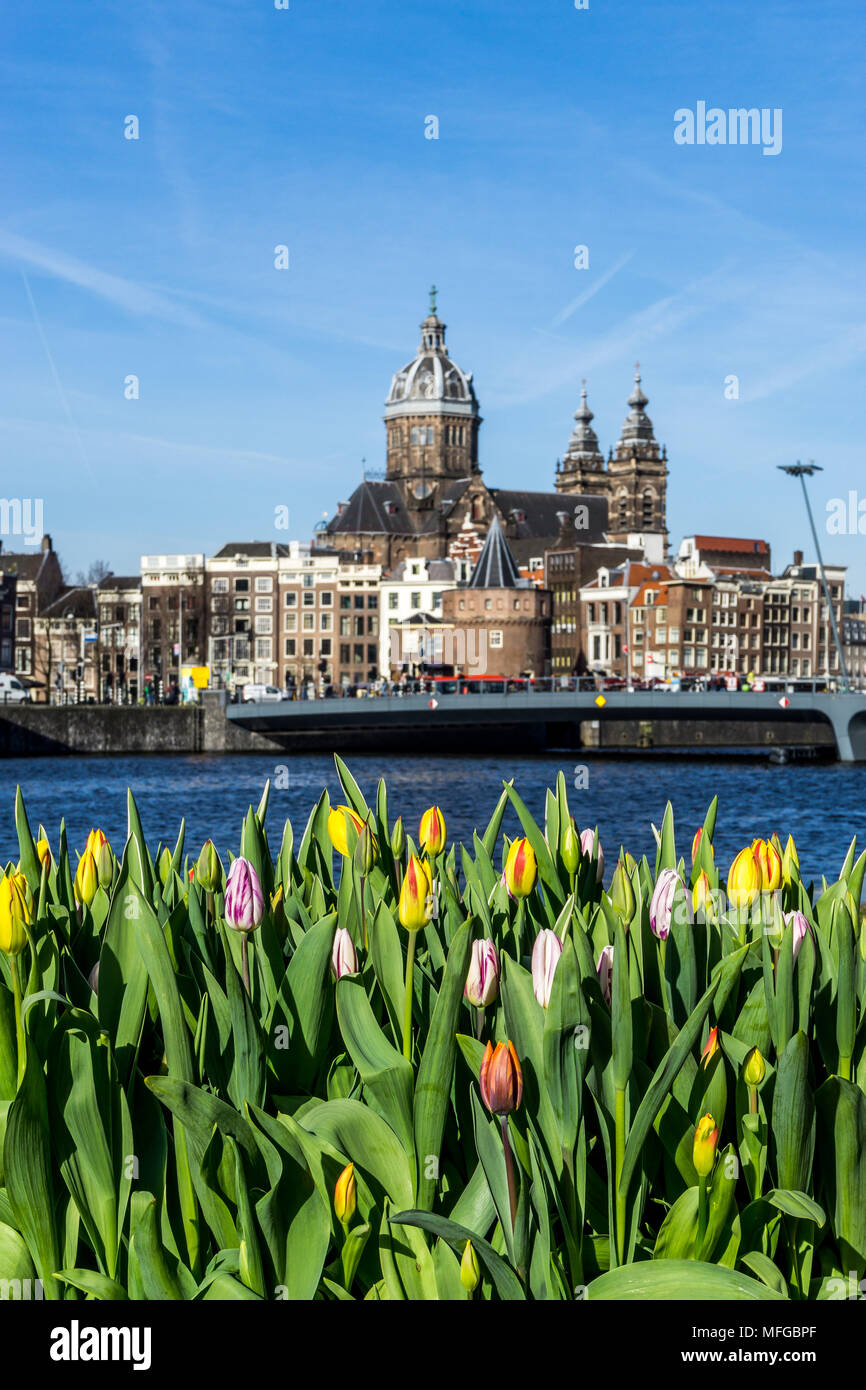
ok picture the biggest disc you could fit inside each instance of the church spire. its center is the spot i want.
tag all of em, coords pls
(637, 424)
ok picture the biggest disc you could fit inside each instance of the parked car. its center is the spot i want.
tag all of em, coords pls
(11, 689)
(257, 694)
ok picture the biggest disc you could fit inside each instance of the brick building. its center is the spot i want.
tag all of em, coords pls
(66, 667)
(500, 621)
(38, 580)
(173, 620)
(242, 603)
(119, 600)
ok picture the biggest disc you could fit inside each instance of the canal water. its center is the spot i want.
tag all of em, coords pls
(822, 804)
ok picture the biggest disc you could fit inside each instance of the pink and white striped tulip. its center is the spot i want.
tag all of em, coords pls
(244, 904)
(482, 979)
(662, 903)
(801, 929)
(545, 955)
(587, 841)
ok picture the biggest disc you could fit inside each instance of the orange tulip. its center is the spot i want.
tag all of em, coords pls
(501, 1079)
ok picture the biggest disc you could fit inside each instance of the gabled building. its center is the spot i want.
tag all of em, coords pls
(66, 667)
(37, 580)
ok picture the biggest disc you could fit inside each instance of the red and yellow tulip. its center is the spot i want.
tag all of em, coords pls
(521, 869)
(501, 1079)
(414, 908)
(431, 831)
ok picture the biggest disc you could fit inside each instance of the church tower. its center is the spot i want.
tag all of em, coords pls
(637, 475)
(431, 416)
(582, 469)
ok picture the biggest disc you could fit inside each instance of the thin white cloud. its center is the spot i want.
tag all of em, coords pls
(593, 290)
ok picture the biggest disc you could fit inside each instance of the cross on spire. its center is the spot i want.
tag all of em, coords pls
(433, 294)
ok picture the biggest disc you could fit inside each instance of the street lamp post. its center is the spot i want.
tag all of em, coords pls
(804, 471)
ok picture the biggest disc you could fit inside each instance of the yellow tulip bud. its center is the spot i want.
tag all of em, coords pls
(790, 862)
(15, 913)
(521, 869)
(414, 908)
(703, 897)
(86, 879)
(43, 850)
(704, 1147)
(744, 879)
(470, 1272)
(431, 831)
(345, 1195)
(754, 1068)
(338, 827)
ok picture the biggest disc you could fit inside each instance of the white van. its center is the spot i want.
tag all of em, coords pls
(255, 694)
(11, 689)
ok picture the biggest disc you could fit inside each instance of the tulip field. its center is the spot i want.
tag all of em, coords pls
(382, 1065)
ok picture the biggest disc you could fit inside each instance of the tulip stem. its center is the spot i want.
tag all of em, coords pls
(245, 963)
(509, 1171)
(619, 1121)
(753, 1100)
(407, 1006)
(364, 910)
(19, 1022)
(479, 1023)
(702, 1215)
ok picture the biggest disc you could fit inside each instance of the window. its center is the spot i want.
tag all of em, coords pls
(264, 625)
(23, 629)
(263, 649)
(345, 600)
(359, 600)
(309, 599)
(325, 646)
(242, 605)
(264, 584)
(372, 600)
(325, 622)
(393, 601)
(308, 646)
(415, 599)
(290, 622)
(242, 586)
(219, 586)
(326, 598)
(495, 638)
(308, 581)
(345, 627)
(309, 622)
(290, 599)
(345, 653)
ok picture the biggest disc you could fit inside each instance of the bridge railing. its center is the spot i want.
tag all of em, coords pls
(565, 685)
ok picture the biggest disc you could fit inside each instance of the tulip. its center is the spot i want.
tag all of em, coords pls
(208, 869)
(604, 970)
(398, 840)
(43, 850)
(86, 879)
(587, 845)
(470, 1272)
(754, 1068)
(770, 862)
(521, 869)
(244, 903)
(345, 1195)
(704, 1147)
(344, 958)
(15, 913)
(744, 879)
(501, 1083)
(545, 954)
(338, 828)
(662, 903)
(703, 897)
(801, 929)
(415, 895)
(93, 978)
(414, 910)
(105, 864)
(95, 841)
(431, 831)
(366, 850)
(164, 865)
(696, 842)
(482, 979)
(790, 862)
(711, 1047)
(500, 1079)
(622, 894)
(571, 847)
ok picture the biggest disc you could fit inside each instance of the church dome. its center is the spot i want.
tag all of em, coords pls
(431, 384)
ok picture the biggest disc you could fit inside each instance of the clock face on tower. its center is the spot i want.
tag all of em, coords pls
(422, 489)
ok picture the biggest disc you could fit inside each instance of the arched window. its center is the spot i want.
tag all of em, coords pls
(414, 434)
(622, 502)
(648, 506)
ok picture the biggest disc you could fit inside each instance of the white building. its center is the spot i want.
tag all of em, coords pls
(412, 629)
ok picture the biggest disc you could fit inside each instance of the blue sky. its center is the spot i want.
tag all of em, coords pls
(262, 388)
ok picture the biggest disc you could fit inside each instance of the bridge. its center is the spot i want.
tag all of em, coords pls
(540, 713)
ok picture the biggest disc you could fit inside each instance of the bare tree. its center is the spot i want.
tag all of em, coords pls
(96, 572)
